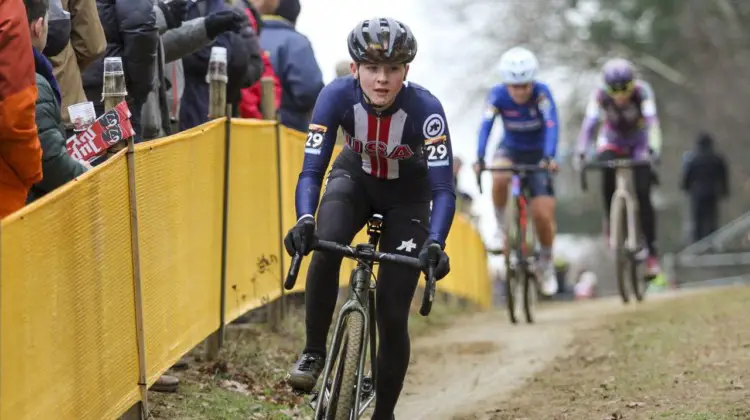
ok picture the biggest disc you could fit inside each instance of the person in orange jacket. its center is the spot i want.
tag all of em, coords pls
(20, 151)
(251, 96)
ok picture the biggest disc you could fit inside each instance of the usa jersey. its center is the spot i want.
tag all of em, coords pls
(623, 125)
(532, 126)
(408, 140)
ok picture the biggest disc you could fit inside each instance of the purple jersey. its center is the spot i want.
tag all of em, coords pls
(633, 125)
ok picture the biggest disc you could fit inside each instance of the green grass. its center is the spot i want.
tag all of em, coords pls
(684, 359)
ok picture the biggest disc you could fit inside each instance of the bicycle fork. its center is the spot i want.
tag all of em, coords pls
(361, 290)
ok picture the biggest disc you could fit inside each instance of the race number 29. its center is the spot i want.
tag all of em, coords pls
(437, 153)
(315, 137)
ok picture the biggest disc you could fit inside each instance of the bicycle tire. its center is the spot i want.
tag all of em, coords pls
(621, 257)
(636, 281)
(351, 352)
(510, 290)
(529, 295)
(512, 244)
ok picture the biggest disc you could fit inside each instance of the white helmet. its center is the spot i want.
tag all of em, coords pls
(518, 66)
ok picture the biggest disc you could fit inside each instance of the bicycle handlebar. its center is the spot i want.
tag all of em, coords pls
(515, 168)
(609, 164)
(364, 254)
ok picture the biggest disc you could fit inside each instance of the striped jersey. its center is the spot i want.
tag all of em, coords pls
(408, 140)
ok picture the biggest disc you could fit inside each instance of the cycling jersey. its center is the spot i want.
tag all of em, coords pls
(529, 127)
(410, 139)
(632, 126)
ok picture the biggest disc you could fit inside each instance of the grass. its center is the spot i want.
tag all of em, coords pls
(684, 359)
(246, 382)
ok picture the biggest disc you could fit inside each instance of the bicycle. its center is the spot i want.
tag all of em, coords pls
(520, 244)
(356, 326)
(624, 225)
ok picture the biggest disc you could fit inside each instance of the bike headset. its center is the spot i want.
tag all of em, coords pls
(381, 41)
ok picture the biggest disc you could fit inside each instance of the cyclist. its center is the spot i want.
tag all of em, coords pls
(529, 117)
(397, 159)
(631, 130)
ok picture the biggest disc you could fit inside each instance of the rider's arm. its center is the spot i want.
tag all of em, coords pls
(648, 109)
(321, 138)
(439, 156)
(590, 123)
(549, 113)
(488, 120)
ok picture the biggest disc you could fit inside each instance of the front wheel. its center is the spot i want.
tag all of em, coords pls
(511, 293)
(347, 369)
(529, 295)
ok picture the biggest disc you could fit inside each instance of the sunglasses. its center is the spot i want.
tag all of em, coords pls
(523, 87)
(620, 88)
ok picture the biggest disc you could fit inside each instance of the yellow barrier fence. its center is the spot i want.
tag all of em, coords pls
(69, 336)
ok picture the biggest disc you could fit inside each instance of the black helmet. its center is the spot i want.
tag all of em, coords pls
(382, 40)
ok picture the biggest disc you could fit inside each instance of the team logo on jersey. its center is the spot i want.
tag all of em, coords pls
(490, 112)
(510, 113)
(434, 126)
(435, 140)
(380, 149)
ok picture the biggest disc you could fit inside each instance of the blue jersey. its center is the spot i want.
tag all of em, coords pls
(409, 140)
(532, 126)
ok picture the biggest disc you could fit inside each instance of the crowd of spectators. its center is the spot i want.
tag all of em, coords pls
(165, 46)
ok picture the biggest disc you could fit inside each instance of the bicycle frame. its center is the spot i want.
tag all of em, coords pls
(520, 192)
(362, 300)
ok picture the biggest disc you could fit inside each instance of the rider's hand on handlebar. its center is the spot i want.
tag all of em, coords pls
(578, 160)
(479, 166)
(443, 266)
(301, 238)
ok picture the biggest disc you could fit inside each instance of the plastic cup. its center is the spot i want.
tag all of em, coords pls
(217, 65)
(82, 115)
(114, 77)
(113, 65)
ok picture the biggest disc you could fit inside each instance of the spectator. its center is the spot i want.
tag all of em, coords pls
(130, 30)
(244, 63)
(293, 59)
(72, 48)
(343, 68)
(178, 39)
(251, 96)
(57, 165)
(705, 179)
(463, 200)
(20, 151)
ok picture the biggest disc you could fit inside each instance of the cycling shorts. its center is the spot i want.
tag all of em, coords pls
(540, 183)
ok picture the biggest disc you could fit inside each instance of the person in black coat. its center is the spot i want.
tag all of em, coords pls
(131, 32)
(705, 180)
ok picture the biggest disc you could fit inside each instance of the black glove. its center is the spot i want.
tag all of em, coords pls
(443, 262)
(174, 12)
(223, 21)
(301, 238)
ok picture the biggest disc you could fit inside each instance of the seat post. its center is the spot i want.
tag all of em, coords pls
(374, 227)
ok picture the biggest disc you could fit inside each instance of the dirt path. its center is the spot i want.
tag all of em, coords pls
(460, 372)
